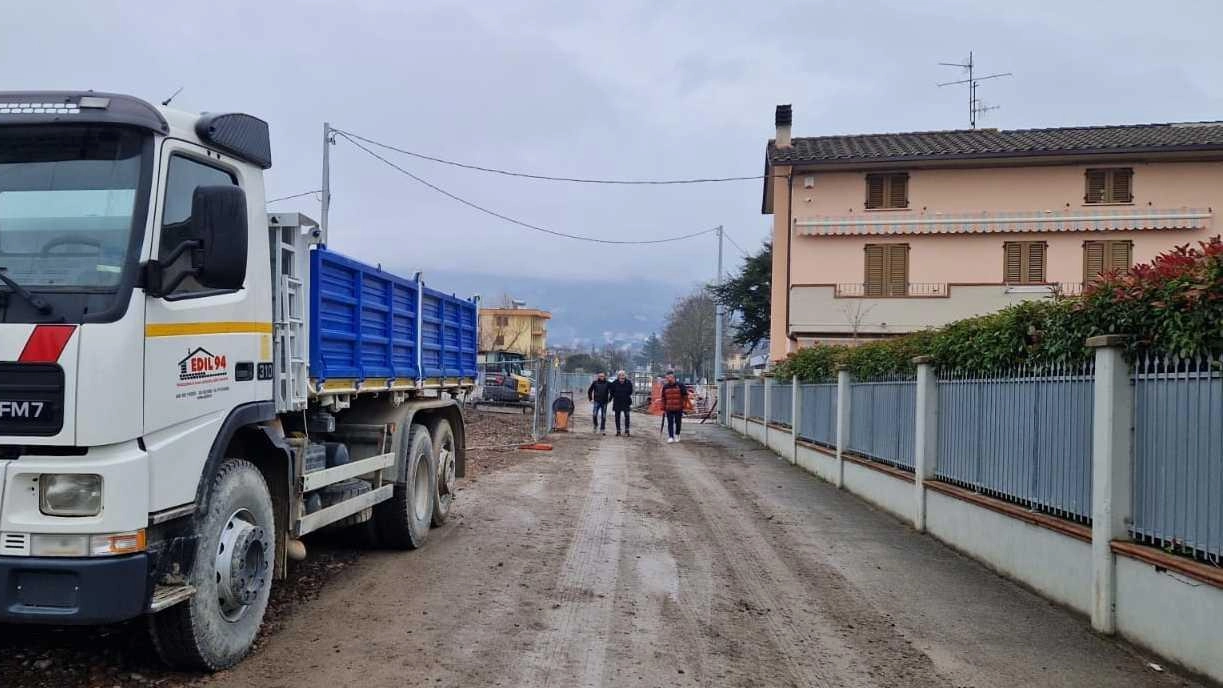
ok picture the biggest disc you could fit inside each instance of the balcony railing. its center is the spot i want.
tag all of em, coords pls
(990, 222)
(935, 290)
(911, 290)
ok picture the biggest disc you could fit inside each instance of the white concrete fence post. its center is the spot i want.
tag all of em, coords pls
(1111, 473)
(796, 414)
(844, 379)
(925, 436)
(768, 379)
(747, 403)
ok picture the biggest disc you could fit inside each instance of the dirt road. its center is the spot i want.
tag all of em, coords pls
(625, 562)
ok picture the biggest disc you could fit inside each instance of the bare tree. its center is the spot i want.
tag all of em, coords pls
(689, 333)
(855, 315)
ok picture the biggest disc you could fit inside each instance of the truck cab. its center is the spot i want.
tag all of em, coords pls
(154, 350)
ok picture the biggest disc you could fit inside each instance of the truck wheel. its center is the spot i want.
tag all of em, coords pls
(403, 520)
(232, 575)
(444, 455)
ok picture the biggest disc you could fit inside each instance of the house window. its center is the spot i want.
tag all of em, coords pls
(1024, 262)
(1109, 185)
(503, 321)
(499, 341)
(887, 191)
(887, 270)
(1106, 256)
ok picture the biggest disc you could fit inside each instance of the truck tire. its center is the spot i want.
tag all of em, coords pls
(232, 575)
(445, 454)
(403, 520)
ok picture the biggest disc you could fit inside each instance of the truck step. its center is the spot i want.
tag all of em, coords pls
(166, 596)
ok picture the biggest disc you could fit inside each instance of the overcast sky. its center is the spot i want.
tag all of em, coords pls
(638, 88)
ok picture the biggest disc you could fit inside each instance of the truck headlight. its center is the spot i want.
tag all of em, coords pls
(78, 545)
(70, 494)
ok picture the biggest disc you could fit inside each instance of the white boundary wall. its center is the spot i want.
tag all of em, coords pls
(1168, 608)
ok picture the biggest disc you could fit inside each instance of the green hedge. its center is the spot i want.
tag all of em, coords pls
(1170, 306)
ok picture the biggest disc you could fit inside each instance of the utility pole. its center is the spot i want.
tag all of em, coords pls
(717, 322)
(975, 106)
(327, 142)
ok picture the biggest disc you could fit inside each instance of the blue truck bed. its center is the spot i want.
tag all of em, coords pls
(380, 330)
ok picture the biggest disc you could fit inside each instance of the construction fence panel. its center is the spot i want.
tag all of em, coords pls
(1178, 456)
(883, 417)
(781, 404)
(755, 400)
(1023, 436)
(818, 403)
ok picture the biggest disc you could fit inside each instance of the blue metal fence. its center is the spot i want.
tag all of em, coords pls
(1178, 456)
(882, 421)
(818, 405)
(755, 400)
(781, 403)
(1023, 436)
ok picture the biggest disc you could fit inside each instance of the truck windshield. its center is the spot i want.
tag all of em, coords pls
(67, 199)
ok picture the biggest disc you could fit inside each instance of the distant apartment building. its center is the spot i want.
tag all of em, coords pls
(883, 234)
(515, 330)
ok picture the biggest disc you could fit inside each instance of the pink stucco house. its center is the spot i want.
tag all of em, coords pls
(882, 234)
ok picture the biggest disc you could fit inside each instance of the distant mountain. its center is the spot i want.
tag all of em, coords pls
(584, 313)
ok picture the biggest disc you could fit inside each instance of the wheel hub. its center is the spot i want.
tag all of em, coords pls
(446, 471)
(241, 564)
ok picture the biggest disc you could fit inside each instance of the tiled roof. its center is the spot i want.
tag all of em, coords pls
(993, 143)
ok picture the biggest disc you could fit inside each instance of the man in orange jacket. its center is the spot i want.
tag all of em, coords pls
(674, 399)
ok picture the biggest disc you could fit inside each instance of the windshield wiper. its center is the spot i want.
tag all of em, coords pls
(36, 301)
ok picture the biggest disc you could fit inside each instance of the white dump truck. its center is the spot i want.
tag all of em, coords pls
(188, 384)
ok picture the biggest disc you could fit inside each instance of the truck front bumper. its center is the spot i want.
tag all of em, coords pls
(50, 590)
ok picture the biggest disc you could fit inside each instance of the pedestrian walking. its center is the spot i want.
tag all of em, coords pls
(674, 398)
(599, 393)
(622, 401)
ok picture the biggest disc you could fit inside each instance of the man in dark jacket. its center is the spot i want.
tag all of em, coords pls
(674, 398)
(599, 393)
(622, 401)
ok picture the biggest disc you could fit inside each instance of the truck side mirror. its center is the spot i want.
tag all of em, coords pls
(218, 222)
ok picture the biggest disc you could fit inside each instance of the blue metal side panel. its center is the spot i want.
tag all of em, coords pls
(448, 347)
(363, 320)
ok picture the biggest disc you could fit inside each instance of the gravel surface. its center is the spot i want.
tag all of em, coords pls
(123, 655)
(629, 562)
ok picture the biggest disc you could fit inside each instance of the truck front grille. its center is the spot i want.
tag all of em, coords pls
(31, 399)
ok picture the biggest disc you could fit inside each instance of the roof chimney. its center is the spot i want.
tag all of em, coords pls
(784, 117)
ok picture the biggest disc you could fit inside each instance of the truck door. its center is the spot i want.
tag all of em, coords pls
(201, 345)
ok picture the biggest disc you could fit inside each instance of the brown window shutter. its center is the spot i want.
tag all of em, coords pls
(875, 196)
(1120, 255)
(1093, 259)
(898, 191)
(874, 270)
(1121, 186)
(1013, 262)
(1097, 183)
(896, 267)
(1036, 263)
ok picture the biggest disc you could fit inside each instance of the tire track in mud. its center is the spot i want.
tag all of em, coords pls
(816, 623)
(572, 649)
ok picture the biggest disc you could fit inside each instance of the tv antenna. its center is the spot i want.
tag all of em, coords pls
(975, 106)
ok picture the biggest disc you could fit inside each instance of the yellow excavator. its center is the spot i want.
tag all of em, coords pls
(507, 381)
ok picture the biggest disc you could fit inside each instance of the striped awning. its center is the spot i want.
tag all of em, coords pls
(986, 222)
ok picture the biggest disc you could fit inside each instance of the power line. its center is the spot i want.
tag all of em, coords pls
(297, 195)
(544, 177)
(509, 219)
(736, 245)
